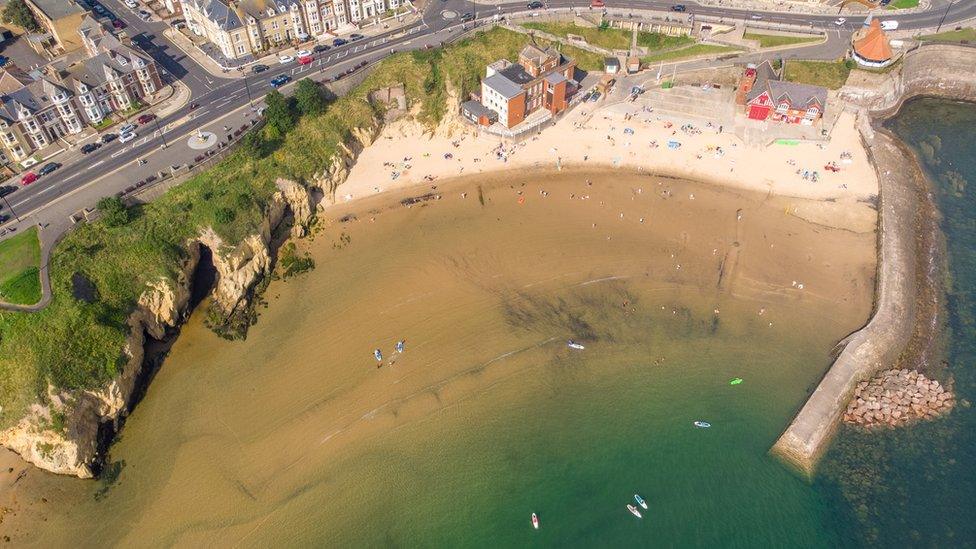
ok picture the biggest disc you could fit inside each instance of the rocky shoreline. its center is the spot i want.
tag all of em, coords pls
(898, 397)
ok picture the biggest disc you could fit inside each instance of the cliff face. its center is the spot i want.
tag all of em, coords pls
(62, 436)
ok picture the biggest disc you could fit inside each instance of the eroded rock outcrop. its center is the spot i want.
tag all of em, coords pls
(897, 397)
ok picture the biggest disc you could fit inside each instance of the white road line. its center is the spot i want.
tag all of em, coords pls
(74, 176)
(117, 153)
(49, 189)
(95, 164)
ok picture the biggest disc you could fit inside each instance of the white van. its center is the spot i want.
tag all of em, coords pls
(889, 25)
(125, 137)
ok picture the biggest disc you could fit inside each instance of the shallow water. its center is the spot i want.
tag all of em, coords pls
(916, 486)
(296, 437)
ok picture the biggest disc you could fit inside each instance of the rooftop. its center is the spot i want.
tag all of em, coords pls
(56, 9)
(502, 85)
(873, 44)
(516, 74)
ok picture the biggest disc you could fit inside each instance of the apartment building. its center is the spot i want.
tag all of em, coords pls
(242, 28)
(60, 20)
(540, 79)
(38, 108)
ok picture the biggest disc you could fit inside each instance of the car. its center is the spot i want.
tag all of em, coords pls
(7, 189)
(355, 36)
(3, 60)
(280, 80)
(178, 25)
(146, 118)
(3, 219)
(177, 22)
(303, 53)
(467, 17)
(755, 17)
(283, 59)
(319, 48)
(99, 9)
(118, 23)
(679, 8)
(132, 4)
(90, 147)
(840, 21)
(127, 128)
(128, 136)
(889, 25)
(48, 168)
(305, 60)
(339, 42)
(144, 14)
(535, 5)
(259, 68)
(597, 4)
(28, 178)
(108, 138)
(595, 97)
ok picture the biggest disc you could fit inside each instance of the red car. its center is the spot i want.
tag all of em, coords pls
(28, 178)
(118, 23)
(146, 118)
(305, 60)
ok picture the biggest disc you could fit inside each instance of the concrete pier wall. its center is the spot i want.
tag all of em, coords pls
(938, 70)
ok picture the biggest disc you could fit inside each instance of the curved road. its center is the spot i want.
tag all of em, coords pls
(218, 97)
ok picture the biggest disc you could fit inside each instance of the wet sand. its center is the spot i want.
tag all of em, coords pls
(297, 436)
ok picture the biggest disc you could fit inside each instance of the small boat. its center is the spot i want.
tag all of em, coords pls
(640, 501)
(573, 345)
(399, 346)
(702, 424)
(735, 381)
(535, 521)
(378, 355)
(633, 510)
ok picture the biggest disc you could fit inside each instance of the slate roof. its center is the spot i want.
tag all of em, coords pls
(478, 109)
(767, 80)
(502, 85)
(555, 78)
(536, 54)
(516, 73)
(56, 9)
(221, 14)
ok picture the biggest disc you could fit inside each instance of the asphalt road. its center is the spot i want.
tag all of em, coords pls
(219, 97)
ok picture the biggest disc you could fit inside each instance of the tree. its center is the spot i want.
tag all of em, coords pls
(278, 114)
(113, 211)
(310, 98)
(17, 13)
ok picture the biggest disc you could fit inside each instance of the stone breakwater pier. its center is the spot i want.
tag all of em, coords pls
(897, 397)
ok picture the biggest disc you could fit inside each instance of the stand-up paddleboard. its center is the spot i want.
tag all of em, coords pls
(535, 521)
(633, 510)
(702, 424)
(640, 501)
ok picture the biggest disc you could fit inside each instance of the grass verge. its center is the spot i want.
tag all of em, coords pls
(902, 4)
(20, 260)
(773, 41)
(962, 35)
(829, 74)
(691, 51)
(613, 39)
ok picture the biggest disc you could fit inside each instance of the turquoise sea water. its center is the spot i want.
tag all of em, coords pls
(917, 487)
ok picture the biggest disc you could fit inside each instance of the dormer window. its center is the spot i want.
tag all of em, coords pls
(122, 61)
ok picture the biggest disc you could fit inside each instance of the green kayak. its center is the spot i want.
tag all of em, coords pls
(735, 381)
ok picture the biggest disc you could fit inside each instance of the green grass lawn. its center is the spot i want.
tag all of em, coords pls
(829, 74)
(902, 4)
(74, 344)
(20, 259)
(613, 39)
(691, 51)
(961, 35)
(772, 41)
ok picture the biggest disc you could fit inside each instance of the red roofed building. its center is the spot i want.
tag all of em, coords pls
(871, 46)
(765, 96)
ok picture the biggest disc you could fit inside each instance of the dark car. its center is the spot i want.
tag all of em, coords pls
(467, 17)
(679, 7)
(280, 80)
(356, 36)
(3, 60)
(319, 48)
(109, 137)
(99, 9)
(48, 168)
(118, 23)
(146, 118)
(259, 68)
(90, 147)
(535, 5)
(339, 42)
(4, 218)
(7, 189)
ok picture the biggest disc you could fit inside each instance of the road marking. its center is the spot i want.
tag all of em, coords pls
(117, 153)
(73, 176)
(100, 162)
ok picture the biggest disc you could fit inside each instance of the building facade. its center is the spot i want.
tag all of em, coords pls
(540, 80)
(245, 28)
(766, 97)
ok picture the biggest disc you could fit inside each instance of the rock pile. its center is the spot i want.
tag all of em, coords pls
(896, 397)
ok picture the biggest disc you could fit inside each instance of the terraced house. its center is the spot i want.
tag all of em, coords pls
(243, 28)
(77, 91)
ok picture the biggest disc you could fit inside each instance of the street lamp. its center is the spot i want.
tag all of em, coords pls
(944, 15)
(246, 87)
(161, 134)
(11, 208)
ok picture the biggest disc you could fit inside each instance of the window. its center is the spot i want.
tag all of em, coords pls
(274, 25)
(240, 49)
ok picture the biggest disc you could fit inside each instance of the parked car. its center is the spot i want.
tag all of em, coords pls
(48, 168)
(259, 68)
(28, 178)
(535, 5)
(467, 17)
(3, 219)
(339, 42)
(177, 22)
(679, 8)
(7, 189)
(97, 8)
(319, 48)
(840, 21)
(3, 60)
(597, 4)
(305, 60)
(283, 59)
(127, 128)
(595, 97)
(118, 23)
(131, 4)
(755, 17)
(303, 53)
(146, 118)
(126, 137)
(90, 147)
(108, 138)
(889, 25)
(144, 15)
(280, 80)
(356, 36)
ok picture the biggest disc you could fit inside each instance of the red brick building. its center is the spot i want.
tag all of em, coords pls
(764, 96)
(542, 79)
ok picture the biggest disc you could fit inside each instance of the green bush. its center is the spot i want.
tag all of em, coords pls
(113, 211)
(17, 13)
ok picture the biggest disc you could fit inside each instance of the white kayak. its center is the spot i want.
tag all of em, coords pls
(573, 345)
(702, 424)
(535, 521)
(640, 501)
(633, 510)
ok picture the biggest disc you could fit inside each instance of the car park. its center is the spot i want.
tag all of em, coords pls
(146, 118)
(339, 42)
(283, 59)
(48, 168)
(280, 80)
(126, 137)
(28, 178)
(259, 68)
(319, 48)
(535, 5)
(305, 60)
(90, 147)
(127, 128)
(679, 8)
